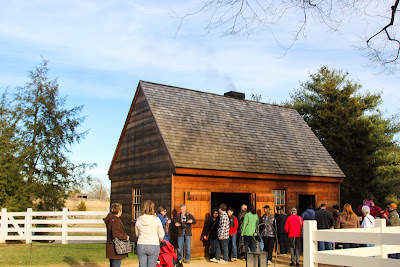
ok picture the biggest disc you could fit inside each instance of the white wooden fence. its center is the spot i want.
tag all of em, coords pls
(62, 225)
(386, 241)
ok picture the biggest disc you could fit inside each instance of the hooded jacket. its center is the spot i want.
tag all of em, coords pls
(308, 214)
(149, 230)
(115, 229)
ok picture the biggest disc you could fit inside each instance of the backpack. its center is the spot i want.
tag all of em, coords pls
(167, 257)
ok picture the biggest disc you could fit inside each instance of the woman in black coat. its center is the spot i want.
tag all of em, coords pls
(282, 234)
(210, 232)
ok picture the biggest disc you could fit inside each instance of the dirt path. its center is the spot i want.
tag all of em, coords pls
(282, 260)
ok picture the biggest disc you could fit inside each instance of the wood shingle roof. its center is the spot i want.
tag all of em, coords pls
(213, 132)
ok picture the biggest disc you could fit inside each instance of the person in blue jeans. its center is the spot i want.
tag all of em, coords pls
(183, 221)
(233, 226)
(223, 235)
(324, 221)
(150, 232)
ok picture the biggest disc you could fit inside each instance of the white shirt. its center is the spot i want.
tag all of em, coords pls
(368, 222)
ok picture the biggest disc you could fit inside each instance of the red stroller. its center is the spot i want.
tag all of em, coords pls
(167, 257)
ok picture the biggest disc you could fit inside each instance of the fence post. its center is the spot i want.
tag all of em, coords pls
(64, 226)
(381, 224)
(310, 246)
(4, 226)
(28, 226)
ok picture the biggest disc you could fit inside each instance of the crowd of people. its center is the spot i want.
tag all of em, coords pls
(230, 237)
(276, 229)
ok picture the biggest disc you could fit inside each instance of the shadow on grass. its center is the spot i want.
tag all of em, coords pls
(86, 262)
(71, 261)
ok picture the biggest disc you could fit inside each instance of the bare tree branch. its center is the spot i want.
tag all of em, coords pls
(248, 17)
(378, 54)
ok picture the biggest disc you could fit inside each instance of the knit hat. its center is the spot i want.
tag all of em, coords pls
(393, 205)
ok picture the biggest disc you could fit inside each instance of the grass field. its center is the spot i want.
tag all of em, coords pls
(44, 254)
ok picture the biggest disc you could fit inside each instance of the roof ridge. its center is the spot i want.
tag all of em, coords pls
(214, 94)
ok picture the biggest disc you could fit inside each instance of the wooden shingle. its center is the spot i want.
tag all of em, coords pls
(213, 132)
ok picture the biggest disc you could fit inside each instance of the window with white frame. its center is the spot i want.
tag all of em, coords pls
(280, 199)
(136, 202)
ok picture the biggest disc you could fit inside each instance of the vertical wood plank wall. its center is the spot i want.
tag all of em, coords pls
(142, 160)
(203, 186)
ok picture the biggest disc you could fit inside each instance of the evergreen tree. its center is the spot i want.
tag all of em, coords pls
(40, 130)
(355, 132)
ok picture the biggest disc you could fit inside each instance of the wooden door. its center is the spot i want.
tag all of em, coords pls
(198, 203)
(263, 199)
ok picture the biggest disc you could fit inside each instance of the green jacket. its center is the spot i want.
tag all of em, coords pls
(250, 224)
(393, 218)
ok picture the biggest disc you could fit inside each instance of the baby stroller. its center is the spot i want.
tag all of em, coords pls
(167, 257)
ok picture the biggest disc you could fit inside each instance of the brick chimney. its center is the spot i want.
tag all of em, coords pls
(237, 95)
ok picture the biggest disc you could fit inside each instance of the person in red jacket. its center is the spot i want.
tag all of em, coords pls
(369, 202)
(233, 226)
(293, 226)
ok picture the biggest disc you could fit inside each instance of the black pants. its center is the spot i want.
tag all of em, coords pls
(249, 244)
(283, 243)
(269, 243)
(295, 249)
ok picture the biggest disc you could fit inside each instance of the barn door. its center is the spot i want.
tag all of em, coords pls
(263, 199)
(198, 203)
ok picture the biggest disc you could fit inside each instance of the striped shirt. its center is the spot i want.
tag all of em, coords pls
(223, 230)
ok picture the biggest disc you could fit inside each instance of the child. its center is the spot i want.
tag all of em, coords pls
(369, 202)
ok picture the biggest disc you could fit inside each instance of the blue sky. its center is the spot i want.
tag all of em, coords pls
(99, 50)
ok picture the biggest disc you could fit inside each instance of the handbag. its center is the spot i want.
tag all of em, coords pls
(261, 244)
(121, 246)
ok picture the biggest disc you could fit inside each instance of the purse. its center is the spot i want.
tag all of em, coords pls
(121, 246)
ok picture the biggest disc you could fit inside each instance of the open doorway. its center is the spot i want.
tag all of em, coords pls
(305, 201)
(234, 200)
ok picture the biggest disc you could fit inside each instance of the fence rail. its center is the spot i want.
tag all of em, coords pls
(386, 241)
(59, 226)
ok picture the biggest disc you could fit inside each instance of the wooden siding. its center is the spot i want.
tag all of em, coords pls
(196, 191)
(141, 160)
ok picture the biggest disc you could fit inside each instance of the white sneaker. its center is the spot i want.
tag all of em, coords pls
(222, 262)
(269, 262)
(213, 260)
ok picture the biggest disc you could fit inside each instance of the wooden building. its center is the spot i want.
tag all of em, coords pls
(184, 146)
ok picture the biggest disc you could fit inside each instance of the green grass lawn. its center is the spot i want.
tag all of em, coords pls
(53, 254)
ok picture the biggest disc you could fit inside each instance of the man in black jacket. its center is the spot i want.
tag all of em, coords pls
(184, 221)
(324, 221)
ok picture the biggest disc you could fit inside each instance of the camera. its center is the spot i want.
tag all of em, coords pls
(183, 225)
